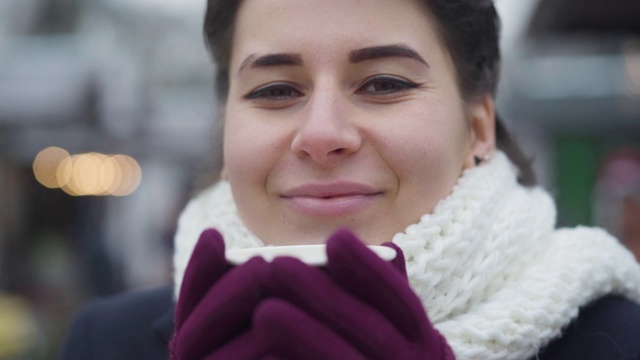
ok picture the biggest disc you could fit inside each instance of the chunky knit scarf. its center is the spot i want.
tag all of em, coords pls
(495, 276)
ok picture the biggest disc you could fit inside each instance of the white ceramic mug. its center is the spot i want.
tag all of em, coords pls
(314, 255)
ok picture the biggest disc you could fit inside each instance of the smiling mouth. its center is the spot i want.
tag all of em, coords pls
(333, 197)
(331, 200)
(334, 205)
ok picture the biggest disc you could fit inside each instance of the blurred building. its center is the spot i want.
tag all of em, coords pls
(97, 76)
(572, 90)
(132, 77)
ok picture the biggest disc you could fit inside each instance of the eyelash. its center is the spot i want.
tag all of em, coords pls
(285, 91)
(263, 93)
(399, 85)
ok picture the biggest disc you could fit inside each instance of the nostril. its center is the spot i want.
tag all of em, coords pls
(325, 138)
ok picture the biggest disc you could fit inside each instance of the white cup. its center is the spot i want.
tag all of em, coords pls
(314, 255)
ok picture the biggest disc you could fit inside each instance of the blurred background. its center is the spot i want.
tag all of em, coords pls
(107, 118)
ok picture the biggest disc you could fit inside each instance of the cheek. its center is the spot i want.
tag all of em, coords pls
(429, 143)
(427, 155)
(251, 148)
(428, 159)
(242, 157)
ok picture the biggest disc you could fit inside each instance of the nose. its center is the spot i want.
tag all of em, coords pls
(326, 131)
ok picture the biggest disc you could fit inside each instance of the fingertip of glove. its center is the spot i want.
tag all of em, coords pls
(211, 238)
(393, 246)
(343, 235)
(399, 261)
(255, 265)
(207, 257)
(345, 252)
(209, 248)
(343, 241)
(286, 263)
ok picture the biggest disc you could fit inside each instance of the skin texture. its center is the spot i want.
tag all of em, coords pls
(332, 132)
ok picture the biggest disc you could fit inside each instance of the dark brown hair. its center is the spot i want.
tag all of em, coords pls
(469, 29)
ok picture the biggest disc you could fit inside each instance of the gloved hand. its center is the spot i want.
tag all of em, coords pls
(360, 307)
(216, 303)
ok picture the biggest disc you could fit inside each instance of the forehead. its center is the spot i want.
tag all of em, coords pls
(330, 27)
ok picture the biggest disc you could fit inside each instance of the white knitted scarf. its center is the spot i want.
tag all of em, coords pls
(497, 280)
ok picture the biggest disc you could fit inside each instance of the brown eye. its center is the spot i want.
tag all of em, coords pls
(386, 85)
(274, 92)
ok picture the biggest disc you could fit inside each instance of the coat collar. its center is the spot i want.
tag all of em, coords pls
(163, 325)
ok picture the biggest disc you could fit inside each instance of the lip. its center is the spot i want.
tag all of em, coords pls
(333, 199)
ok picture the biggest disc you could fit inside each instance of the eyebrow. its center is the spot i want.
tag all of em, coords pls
(269, 60)
(355, 56)
(385, 51)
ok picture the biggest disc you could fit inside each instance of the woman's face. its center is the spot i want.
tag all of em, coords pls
(343, 113)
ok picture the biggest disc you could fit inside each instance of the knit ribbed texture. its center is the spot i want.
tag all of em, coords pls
(497, 280)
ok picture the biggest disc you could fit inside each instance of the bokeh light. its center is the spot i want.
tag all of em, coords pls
(130, 176)
(88, 174)
(45, 167)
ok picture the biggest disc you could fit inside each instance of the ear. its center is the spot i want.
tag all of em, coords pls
(482, 130)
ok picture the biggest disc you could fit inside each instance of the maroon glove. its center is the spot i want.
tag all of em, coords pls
(216, 304)
(361, 307)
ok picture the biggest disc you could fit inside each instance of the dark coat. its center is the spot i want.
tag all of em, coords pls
(139, 325)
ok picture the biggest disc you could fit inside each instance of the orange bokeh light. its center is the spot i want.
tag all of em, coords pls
(87, 174)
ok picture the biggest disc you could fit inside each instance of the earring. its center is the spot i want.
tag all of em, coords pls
(479, 160)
